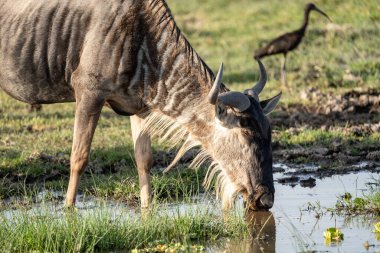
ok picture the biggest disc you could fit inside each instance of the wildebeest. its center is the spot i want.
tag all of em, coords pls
(288, 41)
(131, 56)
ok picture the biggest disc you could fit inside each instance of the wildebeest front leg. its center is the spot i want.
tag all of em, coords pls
(144, 159)
(88, 109)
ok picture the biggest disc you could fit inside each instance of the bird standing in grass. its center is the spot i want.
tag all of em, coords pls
(288, 41)
(35, 108)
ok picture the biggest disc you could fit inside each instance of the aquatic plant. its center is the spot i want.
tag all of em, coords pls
(333, 235)
(348, 205)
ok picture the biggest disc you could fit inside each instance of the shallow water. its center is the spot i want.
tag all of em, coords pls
(289, 227)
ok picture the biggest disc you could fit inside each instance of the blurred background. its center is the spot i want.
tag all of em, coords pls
(335, 56)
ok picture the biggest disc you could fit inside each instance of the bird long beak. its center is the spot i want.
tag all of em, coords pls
(324, 14)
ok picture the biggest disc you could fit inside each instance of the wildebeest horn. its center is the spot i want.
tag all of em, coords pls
(213, 95)
(237, 100)
(256, 90)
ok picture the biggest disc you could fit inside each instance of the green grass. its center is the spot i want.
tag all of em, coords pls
(117, 186)
(312, 137)
(101, 230)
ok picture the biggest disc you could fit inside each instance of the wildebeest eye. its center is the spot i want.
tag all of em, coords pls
(221, 110)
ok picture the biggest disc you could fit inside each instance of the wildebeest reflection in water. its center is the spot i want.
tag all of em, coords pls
(262, 235)
(262, 228)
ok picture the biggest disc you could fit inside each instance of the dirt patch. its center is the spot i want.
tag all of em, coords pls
(331, 160)
(354, 108)
(374, 156)
(305, 175)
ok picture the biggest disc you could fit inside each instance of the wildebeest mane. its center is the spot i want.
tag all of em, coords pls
(165, 20)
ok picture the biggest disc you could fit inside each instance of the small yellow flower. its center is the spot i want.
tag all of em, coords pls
(327, 235)
(333, 234)
(377, 227)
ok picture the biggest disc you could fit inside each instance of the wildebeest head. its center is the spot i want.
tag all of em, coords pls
(241, 143)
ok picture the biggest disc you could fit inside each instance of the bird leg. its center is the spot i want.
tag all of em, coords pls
(283, 71)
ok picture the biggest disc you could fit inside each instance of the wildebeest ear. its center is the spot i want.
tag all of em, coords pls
(270, 104)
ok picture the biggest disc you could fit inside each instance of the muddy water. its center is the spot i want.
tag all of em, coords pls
(290, 227)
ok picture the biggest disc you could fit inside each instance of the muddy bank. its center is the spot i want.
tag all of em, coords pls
(359, 109)
(306, 175)
(320, 161)
(337, 154)
(355, 113)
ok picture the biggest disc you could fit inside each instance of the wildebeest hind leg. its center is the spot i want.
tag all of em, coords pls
(144, 159)
(88, 109)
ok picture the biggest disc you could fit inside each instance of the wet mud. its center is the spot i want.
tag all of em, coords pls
(356, 113)
(356, 110)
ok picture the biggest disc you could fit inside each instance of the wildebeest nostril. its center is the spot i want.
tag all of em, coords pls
(266, 200)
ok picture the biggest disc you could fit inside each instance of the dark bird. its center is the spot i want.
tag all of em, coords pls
(288, 41)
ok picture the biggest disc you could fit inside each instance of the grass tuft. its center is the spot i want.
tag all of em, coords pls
(102, 230)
